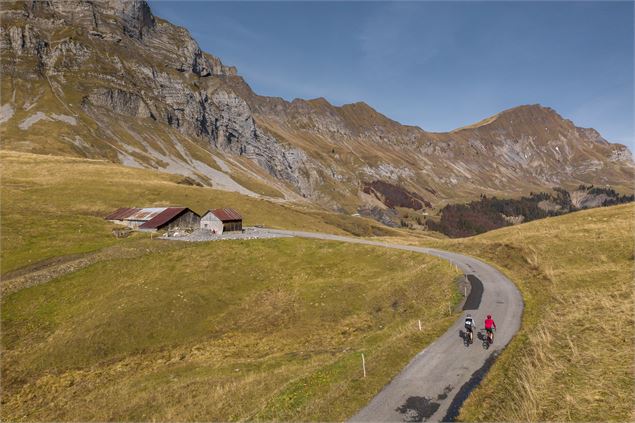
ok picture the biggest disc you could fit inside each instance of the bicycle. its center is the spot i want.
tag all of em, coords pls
(488, 339)
(467, 337)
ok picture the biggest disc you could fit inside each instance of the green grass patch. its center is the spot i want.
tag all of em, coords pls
(264, 329)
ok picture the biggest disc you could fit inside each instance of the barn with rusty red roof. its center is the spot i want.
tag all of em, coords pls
(152, 219)
(119, 215)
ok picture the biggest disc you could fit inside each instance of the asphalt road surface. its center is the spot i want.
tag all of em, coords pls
(435, 383)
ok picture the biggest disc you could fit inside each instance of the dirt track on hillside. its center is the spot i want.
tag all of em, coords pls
(47, 270)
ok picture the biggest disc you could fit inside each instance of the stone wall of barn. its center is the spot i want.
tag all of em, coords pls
(188, 220)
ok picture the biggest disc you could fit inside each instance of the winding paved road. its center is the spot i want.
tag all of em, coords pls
(435, 383)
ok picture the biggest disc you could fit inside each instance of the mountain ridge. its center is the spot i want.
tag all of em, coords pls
(111, 80)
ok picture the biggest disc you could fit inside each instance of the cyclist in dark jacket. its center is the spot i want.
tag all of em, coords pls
(469, 326)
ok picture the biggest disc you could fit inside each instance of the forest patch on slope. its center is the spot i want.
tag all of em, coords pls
(488, 213)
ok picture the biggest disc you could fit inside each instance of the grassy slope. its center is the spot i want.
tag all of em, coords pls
(268, 329)
(573, 357)
(54, 206)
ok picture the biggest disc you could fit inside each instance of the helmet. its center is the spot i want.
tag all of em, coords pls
(489, 316)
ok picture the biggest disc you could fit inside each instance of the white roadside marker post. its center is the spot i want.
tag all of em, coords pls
(419, 325)
(364, 364)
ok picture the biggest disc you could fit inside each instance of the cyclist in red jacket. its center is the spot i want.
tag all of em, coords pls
(490, 327)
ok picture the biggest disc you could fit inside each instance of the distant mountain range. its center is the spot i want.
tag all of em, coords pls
(109, 80)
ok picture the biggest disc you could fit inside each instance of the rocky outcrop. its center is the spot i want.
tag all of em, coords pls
(137, 19)
(132, 17)
(620, 153)
(21, 39)
(67, 54)
(218, 68)
(109, 20)
(388, 217)
(119, 101)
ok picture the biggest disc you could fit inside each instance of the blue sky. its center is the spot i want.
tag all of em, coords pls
(437, 65)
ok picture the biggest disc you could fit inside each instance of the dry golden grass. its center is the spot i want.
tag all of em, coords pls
(256, 186)
(573, 357)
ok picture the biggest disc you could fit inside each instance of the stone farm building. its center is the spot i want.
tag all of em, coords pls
(152, 219)
(222, 220)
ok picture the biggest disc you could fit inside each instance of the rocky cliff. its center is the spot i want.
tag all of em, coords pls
(109, 79)
(140, 90)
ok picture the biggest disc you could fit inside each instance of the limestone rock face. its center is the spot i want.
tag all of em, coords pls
(109, 20)
(133, 18)
(20, 39)
(119, 101)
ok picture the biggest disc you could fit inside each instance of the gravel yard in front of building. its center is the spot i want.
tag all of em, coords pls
(201, 235)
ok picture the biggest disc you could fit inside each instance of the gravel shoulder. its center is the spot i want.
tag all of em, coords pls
(435, 383)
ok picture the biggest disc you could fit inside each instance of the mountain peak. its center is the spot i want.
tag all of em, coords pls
(358, 105)
(530, 109)
(534, 115)
(526, 113)
(320, 102)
